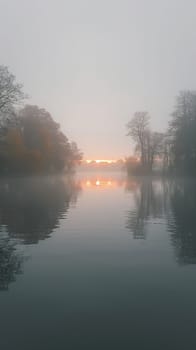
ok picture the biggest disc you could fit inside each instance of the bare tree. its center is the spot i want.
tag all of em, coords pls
(10, 91)
(154, 147)
(148, 144)
(168, 154)
(138, 129)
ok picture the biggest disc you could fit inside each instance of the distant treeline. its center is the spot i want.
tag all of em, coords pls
(30, 140)
(173, 152)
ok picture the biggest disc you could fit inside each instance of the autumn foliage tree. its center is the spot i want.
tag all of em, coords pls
(30, 140)
(36, 144)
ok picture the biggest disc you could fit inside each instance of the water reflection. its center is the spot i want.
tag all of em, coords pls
(30, 209)
(10, 262)
(182, 224)
(97, 181)
(148, 203)
(168, 202)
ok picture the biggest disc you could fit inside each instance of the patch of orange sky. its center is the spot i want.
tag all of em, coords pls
(98, 161)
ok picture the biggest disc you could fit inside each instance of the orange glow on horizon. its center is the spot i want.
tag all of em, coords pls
(99, 161)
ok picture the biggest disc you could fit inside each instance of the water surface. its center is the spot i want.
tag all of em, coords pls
(97, 262)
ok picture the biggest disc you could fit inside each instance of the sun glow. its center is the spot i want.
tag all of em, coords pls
(101, 182)
(107, 183)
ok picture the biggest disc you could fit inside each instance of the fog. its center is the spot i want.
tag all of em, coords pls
(92, 64)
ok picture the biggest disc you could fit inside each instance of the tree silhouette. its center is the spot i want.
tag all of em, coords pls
(148, 144)
(10, 91)
(182, 132)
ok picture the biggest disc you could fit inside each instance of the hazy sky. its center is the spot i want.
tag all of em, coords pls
(93, 63)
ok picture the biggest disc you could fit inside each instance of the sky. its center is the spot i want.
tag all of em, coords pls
(93, 63)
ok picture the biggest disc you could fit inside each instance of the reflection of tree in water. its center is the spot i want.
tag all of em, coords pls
(149, 203)
(10, 262)
(182, 224)
(31, 208)
(173, 200)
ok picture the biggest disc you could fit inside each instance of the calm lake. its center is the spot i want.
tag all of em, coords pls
(97, 262)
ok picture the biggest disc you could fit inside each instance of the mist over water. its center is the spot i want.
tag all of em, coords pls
(97, 257)
(97, 175)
